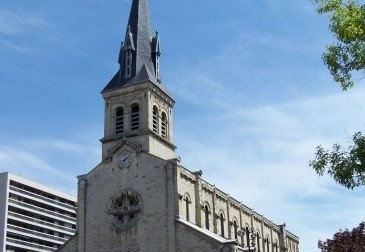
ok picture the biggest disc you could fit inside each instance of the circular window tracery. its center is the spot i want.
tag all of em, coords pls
(126, 209)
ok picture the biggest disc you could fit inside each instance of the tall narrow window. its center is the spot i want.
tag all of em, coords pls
(206, 214)
(221, 218)
(258, 242)
(135, 117)
(158, 68)
(155, 119)
(247, 236)
(267, 244)
(128, 63)
(235, 229)
(119, 121)
(163, 125)
(187, 202)
(276, 247)
(156, 53)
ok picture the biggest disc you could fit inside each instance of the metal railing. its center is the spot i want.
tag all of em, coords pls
(36, 221)
(52, 238)
(34, 246)
(55, 202)
(42, 210)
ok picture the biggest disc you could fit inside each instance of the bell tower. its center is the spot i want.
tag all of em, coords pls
(138, 106)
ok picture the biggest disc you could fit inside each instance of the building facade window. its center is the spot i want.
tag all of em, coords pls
(267, 241)
(258, 239)
(247, 232)
(235, 229)
(275, 247)
(221, 220)
(157, 68)
(164, 125)
(155, 119)
(128, 63)
(206, 214)
(119, 120)
(135, 117)
(187, 203)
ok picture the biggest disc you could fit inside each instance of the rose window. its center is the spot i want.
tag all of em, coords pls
(126, 209)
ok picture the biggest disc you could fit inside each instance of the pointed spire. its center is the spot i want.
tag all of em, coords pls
(139, 50)
(140, 26)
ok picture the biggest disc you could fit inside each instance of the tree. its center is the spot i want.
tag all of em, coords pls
(347, 23)
(347, 167)
(344, 59)
(345, 241)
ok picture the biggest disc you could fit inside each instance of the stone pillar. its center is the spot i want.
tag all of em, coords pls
(282, 238)
(229, 221)
(241, 225)
(81, 214)
(198, 207)
(172, 203)
(262, 233)
(214, 215)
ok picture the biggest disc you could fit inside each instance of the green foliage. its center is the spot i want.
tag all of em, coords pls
(345, 241)
(347, 167)
(347, 23)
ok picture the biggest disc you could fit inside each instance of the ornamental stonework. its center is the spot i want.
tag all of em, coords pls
(126, 210)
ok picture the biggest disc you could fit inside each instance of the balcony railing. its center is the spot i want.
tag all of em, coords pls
(41, 210)
(36, 221)
(29, 245)
(55, 202)
(35, 234)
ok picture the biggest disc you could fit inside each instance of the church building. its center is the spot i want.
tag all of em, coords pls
(140, 198)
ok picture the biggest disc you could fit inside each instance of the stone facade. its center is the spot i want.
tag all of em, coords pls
(203, 205)
(140, 198)
(172, 217)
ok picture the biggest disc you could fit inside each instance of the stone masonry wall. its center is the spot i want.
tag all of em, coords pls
(268, 234)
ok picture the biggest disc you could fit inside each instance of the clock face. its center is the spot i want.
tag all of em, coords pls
(125, 159)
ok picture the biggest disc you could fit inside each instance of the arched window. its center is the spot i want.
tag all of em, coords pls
(275, 247)
(235, 229)
(221, 219)
(119, 120)
(247, 232)
(155, 119)
(187, 203)
(258, 242)
(134, 117)
(163, 125)
(267, 240)
(206, 214)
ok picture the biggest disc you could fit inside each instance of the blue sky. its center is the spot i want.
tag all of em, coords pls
(253, 99)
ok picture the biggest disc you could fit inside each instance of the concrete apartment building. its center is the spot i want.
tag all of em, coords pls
(34, 217)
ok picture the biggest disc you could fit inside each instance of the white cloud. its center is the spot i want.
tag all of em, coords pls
(13, 23)
(259, 152)
(14, 45)
(54, 162)
(260, 155)
(19, 161)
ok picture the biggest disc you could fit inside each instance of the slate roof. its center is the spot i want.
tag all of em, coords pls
(142, 67)
(143, 75)
(206, 232)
